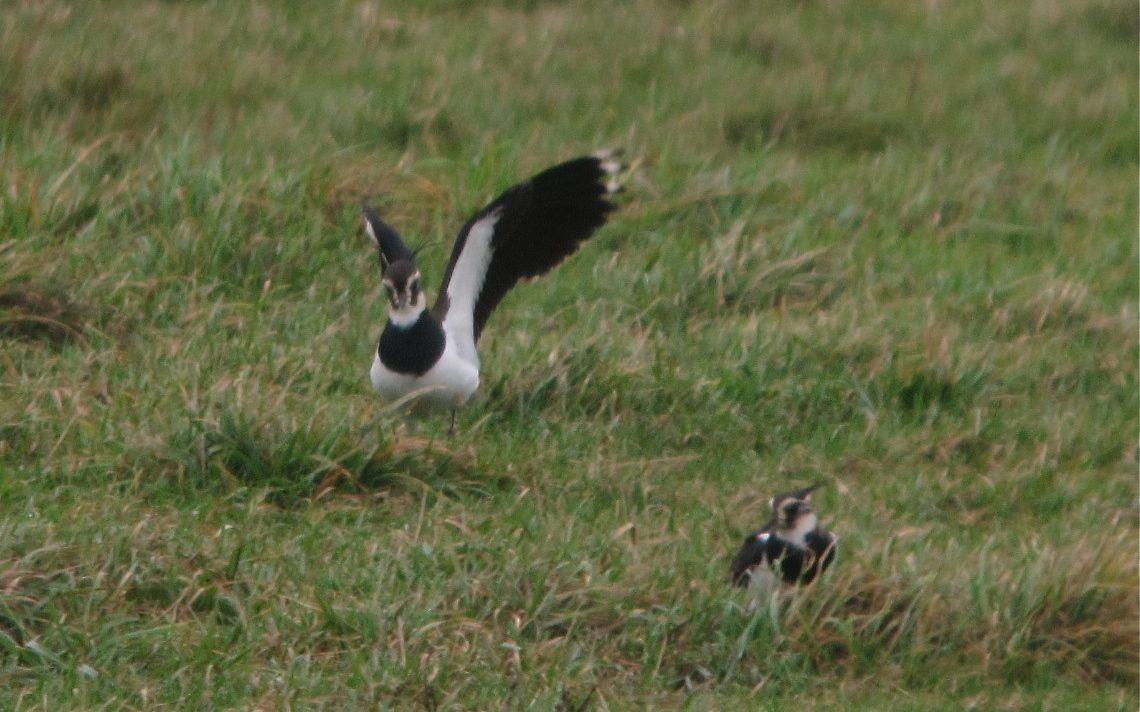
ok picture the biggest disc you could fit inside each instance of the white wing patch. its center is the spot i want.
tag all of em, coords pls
(466, 284)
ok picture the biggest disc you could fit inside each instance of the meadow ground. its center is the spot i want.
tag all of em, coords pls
(887, 245)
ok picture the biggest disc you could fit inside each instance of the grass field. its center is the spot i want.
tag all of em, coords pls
(887, 245)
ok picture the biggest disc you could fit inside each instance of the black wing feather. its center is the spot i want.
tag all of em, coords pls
(753, 552)
(541, 222)
(794, 565)
(822, 544)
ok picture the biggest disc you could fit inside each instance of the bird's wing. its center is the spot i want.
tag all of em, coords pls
(388, 242)
(524, 232)
(823, 544)
(753, 552)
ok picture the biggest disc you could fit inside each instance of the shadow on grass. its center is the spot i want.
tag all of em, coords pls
(813, 129)
(42, 313)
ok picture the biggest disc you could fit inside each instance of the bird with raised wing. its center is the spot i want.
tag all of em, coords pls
(792, 548)
(429, 357)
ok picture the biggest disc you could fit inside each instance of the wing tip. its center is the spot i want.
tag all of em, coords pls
(609, 161)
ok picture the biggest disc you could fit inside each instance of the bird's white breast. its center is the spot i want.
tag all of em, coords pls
(450, 382)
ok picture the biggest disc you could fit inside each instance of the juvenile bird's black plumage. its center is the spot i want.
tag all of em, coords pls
(791, 545)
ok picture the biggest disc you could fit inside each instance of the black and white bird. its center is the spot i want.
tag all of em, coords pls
(791, 548)
(429, 357)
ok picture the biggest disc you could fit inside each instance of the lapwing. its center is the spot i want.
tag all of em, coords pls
(429, 357)
(791, 548)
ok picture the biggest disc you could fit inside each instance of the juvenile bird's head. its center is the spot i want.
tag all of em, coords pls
(793, 511)
(795, 514)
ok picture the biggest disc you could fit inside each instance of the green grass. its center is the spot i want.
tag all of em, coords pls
(888, 245)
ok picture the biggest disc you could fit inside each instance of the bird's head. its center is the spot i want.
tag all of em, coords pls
(401, 278)
(794, 513)
(793, 510)
(402, 283)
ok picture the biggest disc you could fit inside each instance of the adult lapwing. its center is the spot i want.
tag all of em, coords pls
(791, 548)
(429, 357)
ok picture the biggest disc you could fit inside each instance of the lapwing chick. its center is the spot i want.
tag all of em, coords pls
(792, 548)
(429, 357)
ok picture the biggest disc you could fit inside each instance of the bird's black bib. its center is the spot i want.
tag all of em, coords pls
(412, 350)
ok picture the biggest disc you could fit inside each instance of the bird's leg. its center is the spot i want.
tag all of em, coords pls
(451, 430)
